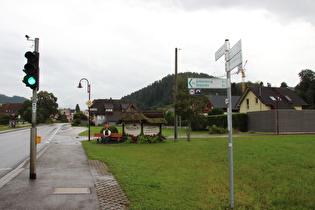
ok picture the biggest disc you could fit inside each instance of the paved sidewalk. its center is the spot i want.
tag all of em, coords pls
(66, 179)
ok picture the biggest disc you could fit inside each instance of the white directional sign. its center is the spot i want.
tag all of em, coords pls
(220, 52)
(235, 49)
(235, 61)
(206, 83)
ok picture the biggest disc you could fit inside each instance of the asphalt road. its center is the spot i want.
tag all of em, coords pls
(15, 145)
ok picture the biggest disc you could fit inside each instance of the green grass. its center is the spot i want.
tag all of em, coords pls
(6, 127)
(270, 172)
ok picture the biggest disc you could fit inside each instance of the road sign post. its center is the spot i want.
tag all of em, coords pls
(233, 58)
(206, 83)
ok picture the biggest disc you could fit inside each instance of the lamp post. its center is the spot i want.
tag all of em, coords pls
(89, 92)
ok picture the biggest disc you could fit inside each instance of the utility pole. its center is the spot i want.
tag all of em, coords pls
(175, 99)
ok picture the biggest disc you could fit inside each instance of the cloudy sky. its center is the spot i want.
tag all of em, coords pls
(121, 46)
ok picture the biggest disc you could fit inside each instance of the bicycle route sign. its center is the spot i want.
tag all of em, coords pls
(206, 83)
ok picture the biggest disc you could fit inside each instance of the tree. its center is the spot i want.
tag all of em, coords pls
(189, 106)
(306, 88)
(77, 108)
(169, 116)
(46, 106)
(284, 84)
(47, 103)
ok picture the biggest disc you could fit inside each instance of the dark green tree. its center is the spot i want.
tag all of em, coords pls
(47, 103)
(77, 108)
(306, 88)
(4, 119)
(46, 107)
(189, 106)
(169, 116)
(284, 84)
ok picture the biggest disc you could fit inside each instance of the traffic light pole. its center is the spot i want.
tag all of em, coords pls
(33, 128)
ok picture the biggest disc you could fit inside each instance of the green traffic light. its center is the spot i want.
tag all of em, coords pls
(31, 81)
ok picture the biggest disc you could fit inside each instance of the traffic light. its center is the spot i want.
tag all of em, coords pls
(31, 68)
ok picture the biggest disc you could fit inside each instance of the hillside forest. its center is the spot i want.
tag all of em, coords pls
(160, 93)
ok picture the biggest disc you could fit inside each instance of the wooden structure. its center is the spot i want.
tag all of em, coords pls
(136, 122)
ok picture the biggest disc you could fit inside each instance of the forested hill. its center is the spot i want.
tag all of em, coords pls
(14, 99)
(160, 93)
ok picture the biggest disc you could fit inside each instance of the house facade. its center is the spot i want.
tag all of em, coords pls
(220, 102)
(108, 111)
(269, 98)
(11, 109)
(69, 113)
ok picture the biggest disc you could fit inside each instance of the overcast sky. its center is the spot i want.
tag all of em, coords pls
(121, 46)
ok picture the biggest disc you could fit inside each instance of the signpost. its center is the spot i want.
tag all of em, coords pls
(206, 83)
(220, 52)
(233, 58)
(235, 49)
(235, 61)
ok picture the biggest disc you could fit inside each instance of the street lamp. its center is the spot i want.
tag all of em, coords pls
(89, 92)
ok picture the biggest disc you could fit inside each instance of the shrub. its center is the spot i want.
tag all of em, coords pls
(76, 122)
(4, 119)
(216, 111)
(239, 121)
(216, 130)
(199, 122)
(112, 129)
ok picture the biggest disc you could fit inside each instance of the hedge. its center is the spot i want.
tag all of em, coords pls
(239, 121)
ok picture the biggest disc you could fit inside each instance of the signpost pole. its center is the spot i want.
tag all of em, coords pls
(229, 115)
(233, 58)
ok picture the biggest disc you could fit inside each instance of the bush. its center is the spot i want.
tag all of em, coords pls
(76, 122)
(216, 111)
(4, 119)
(169, 116)
(239, 121)
(112, 129)
(199, 122)
(80, 116)
(216, 130)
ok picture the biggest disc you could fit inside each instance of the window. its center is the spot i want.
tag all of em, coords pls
(288, 98)
(108, 110)
(256, 100)
(272, 98)
(247, 103)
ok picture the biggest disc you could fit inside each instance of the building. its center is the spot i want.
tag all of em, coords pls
(69, 113)
(136, 122)
(11, 109)
(269, 98)
(220, 102)
(108, 111)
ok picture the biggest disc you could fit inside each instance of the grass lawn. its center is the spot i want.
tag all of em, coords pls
(270, 172)
(6, 127)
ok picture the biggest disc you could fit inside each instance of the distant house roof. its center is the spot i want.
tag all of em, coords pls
(268, 96)
(111, 108)
(219, 101)
(134, 114)
(11, 108)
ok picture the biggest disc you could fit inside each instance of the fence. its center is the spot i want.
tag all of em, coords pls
(288, 121)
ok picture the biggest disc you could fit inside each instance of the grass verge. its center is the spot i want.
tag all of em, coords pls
(270, 172)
